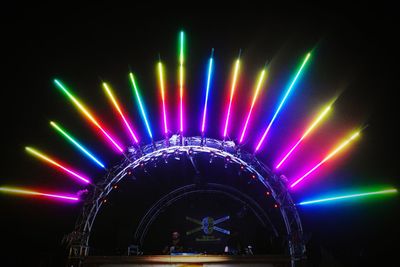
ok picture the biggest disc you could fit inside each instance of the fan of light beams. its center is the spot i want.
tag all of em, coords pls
(286, 155)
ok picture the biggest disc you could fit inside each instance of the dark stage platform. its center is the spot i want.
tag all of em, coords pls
(190, 260)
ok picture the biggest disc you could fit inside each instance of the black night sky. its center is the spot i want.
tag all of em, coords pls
(353, 53)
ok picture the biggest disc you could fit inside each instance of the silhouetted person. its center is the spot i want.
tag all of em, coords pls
(175, 246)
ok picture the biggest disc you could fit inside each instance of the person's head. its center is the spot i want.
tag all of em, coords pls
(175, 235)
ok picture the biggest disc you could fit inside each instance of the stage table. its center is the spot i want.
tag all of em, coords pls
(187, 261)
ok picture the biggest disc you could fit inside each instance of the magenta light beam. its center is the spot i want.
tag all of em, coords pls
(329, 156)
(162, 91)
(181, 82)
(22, 191)
(47, 159)
(228, 112)
(210, 66)
(85, 111)
(308, 131)
(282, 102)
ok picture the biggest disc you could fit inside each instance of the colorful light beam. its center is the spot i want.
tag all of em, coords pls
(336, 198)
(228, 112)
(88, 115)
(260, 81)
(142, 110)
(210, 67)
(181, 61)
(64, 133)
(117, 107)
(22, 191)
(162, 90)
(306, 133)
(283, 101)
(47, 159)
(329, 156)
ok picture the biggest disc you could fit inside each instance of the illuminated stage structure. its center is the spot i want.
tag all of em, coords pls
(193, 150)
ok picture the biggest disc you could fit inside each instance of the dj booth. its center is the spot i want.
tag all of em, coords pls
(187, 261)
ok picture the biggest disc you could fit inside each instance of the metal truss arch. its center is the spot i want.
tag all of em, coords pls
(186, 190)
(190, 147)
